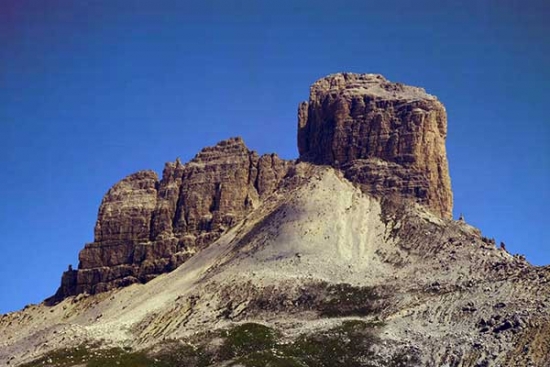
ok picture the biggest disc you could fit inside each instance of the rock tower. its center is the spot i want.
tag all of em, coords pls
(387, 137)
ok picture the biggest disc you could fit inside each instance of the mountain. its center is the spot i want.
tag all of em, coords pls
(348, 256)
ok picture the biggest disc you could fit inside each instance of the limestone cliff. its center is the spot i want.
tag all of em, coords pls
(388, 137)
(318, 263)
(146, 227)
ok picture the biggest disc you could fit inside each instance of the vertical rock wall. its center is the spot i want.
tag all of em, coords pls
(388, 137)
(146, 227)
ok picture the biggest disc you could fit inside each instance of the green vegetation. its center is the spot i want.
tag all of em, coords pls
(92, 356)
(346, 300)
(119, 357)
(349, 344)
(245, 339)
(346, 345)
(268, 358)
(174, 353)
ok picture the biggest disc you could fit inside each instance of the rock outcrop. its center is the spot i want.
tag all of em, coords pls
(146, 227)
(388, 137)
(317, 274)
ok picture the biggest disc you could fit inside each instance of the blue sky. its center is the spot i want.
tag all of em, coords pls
(91, 91)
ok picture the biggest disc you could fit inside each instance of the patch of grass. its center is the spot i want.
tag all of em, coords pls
(247, 338)
(91, 356)
(348, 345)
(117, 357)
(63, 357)
(346, 300)
(176, 354)
(268, 358)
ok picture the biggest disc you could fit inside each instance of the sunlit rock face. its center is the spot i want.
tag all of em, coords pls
(325, 261)
(147, 227)
(388, 137)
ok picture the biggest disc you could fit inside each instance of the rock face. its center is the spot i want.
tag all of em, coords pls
(146, 227)
(319, 274)
(388, 137)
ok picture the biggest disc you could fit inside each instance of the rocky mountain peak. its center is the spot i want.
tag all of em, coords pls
(388, 137)
(224, 149)
(325, 261)
(373, 85)
(147, 227)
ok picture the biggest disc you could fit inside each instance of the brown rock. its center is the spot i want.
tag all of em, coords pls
(126, 209)
(389, 137)
(146, 227)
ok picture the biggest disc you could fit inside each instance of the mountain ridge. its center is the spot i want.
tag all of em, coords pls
(350, 249)
(147, 227)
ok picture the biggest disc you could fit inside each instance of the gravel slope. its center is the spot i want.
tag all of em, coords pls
(439, 286)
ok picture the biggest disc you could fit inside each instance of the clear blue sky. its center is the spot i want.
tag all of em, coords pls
(91, 91)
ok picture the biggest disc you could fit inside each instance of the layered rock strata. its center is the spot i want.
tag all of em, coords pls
(388, 137)
(146, 227)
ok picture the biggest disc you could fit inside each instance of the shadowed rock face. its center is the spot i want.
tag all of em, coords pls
(146, 227)
(388, 137)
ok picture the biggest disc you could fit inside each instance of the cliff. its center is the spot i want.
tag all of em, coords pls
(147, 227)
(347, 257)
(388, 137)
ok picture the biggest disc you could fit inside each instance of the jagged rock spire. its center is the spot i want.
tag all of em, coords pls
(146, 227)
